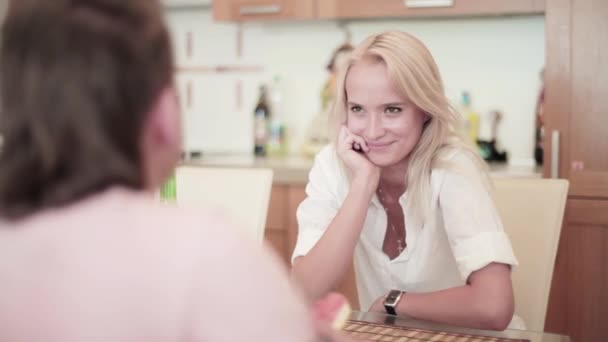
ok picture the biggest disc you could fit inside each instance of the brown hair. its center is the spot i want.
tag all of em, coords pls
(78, 77)
(344, 48)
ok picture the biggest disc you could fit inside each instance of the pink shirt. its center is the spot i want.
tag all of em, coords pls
(120, 267)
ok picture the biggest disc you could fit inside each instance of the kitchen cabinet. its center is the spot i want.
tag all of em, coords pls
(345, 9)
(578, 304)
(282, 231)
(250, 10)
(281, 224)
(576, 145)
(185, 3)
(277, 232)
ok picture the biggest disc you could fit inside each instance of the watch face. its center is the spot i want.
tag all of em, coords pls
(393, 296)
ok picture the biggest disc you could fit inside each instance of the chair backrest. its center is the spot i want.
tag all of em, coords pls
(242, 193)
(532, 212)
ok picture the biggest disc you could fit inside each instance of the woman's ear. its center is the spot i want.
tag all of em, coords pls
(164, 119)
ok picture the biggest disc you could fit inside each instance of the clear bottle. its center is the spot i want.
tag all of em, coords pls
(260, 123)
(276, 145)
(471, 118)
(276, 94)
(276, 140)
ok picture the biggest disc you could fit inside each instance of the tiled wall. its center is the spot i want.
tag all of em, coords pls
(497, 59)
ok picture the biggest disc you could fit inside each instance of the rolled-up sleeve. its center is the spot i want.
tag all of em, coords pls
(319, 208)
(473, 225)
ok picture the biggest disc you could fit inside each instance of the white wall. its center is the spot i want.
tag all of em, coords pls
(497, 59)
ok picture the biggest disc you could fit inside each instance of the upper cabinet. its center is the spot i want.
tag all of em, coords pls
(249, 10)
(351, 9)
(185, 3)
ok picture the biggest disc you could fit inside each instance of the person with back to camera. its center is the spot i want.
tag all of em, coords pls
(399, 194)
(91, 130)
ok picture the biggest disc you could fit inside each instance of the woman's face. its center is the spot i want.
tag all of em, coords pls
(387, 120)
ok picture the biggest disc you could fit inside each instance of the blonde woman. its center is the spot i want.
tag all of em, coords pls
(401, 195)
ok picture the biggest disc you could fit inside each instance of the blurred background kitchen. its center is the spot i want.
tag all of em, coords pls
(497, 58)
(492, 58)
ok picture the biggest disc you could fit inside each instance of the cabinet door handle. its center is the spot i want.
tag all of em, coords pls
(260, 9)
(555, 154)
(428, 3)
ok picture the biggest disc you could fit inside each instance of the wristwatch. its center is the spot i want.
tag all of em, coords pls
(391, 301)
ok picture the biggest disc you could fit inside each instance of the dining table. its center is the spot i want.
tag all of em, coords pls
(374, 326)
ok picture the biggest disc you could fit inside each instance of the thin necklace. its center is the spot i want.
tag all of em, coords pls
(400, 242)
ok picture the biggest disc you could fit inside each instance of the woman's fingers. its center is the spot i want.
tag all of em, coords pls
(360, 142)
(352, 141)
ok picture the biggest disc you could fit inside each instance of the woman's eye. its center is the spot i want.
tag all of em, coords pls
(356, 109)
(393, 110)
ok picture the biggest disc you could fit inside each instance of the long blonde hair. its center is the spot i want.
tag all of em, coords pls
(415, 75)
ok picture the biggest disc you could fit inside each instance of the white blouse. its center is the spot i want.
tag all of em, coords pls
(463, 234)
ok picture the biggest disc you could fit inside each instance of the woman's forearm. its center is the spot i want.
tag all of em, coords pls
(320, 271)
(459, 306)
(486, 302)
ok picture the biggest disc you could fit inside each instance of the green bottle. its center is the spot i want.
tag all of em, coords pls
(168, 191)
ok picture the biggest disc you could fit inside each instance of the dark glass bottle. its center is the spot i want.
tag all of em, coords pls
(260, 123)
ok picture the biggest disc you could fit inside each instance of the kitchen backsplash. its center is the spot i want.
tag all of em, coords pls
(221, 66)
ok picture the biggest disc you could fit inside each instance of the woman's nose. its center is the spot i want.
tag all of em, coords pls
(375, 128)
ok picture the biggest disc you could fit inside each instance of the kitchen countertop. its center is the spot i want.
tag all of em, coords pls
(287, 170)
(294, 169)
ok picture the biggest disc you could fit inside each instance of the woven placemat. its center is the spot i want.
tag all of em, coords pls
(387, 333)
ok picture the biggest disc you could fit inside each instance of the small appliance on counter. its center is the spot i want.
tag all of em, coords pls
(488, 148)
(191, 155)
